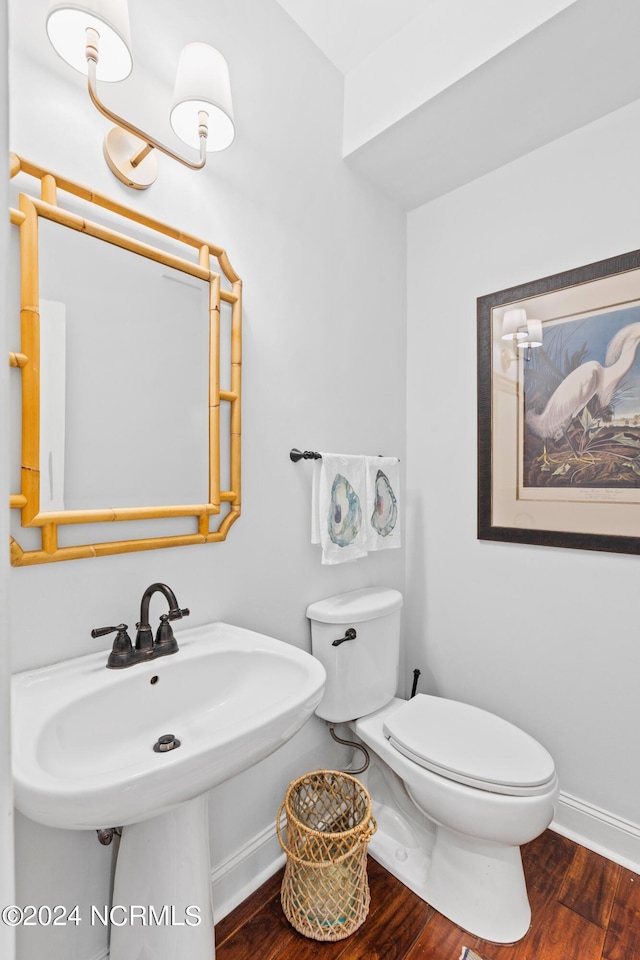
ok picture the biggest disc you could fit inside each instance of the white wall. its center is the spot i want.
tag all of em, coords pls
(323, 263)
(548, 638)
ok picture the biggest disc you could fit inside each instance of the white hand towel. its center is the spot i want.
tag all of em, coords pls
(338, 520)
(315, 501)
(383, 502)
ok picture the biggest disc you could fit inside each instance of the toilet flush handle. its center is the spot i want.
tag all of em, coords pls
(349, 635)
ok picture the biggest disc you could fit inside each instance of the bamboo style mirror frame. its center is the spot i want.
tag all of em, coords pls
(59, 529)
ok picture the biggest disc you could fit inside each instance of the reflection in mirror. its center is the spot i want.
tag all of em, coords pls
(130, 363)
(53, 402)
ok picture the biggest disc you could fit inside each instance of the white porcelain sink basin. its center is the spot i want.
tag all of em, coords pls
(83, 735)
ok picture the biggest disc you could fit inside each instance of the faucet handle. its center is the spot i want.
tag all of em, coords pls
(103, 631)
(122, 653)
(165, 640)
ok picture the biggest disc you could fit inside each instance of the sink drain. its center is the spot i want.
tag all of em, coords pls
(165, 743)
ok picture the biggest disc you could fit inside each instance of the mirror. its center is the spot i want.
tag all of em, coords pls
(132, 373)
(130, 364)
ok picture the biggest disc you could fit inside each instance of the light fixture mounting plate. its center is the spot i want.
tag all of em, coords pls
(119, 148)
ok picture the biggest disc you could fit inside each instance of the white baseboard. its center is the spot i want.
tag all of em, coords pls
(598, 830)
(233, 880)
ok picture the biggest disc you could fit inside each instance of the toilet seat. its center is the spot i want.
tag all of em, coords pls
(470, 746)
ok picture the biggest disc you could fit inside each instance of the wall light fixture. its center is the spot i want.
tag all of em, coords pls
(523, 333)
(93, 36)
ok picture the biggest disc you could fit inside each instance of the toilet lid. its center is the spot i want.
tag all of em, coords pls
(469, 745)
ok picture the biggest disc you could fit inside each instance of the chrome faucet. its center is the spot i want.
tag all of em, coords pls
(123, 654)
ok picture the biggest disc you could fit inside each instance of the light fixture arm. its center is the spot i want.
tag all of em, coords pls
(149, 142)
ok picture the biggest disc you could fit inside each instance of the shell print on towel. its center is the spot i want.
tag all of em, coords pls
(345, 514)
(385, 511)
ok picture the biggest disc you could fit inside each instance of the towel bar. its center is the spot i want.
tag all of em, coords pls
(296, 455)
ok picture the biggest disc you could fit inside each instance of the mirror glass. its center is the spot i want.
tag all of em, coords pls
(124, 369)
(127, 365)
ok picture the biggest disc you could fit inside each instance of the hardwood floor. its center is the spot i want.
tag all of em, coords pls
(584, 907)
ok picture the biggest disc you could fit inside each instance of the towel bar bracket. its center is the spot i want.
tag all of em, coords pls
(296, 455)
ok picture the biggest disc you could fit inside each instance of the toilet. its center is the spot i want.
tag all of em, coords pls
(455, 789)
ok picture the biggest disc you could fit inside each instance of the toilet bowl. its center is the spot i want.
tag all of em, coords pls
(470, 869)
(455, 789)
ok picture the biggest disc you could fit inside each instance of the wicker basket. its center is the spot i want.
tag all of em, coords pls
(325, 892)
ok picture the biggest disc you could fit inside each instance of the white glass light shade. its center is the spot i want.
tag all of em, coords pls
(514, 323)
(533, 337)
(202, 83)
(67, 23)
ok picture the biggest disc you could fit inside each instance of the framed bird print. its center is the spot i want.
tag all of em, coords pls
(559, 409)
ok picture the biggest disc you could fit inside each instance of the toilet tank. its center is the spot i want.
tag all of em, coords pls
(362, 673)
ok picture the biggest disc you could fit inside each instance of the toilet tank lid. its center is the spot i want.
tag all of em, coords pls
(370, 603)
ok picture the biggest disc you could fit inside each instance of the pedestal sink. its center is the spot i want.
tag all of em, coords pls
(84, 758)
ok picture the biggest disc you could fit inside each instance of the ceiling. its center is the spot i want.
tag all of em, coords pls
(576, 67)
(348, 30)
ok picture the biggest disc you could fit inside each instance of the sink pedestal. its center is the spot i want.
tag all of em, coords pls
(162, 888)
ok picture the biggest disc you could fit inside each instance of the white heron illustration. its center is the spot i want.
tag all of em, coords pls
(590, 379)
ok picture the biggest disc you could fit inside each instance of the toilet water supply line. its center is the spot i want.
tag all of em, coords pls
(350, 743)
(106, 835)
(360, 746)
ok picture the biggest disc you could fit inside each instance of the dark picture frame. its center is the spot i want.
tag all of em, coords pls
(577, 487)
